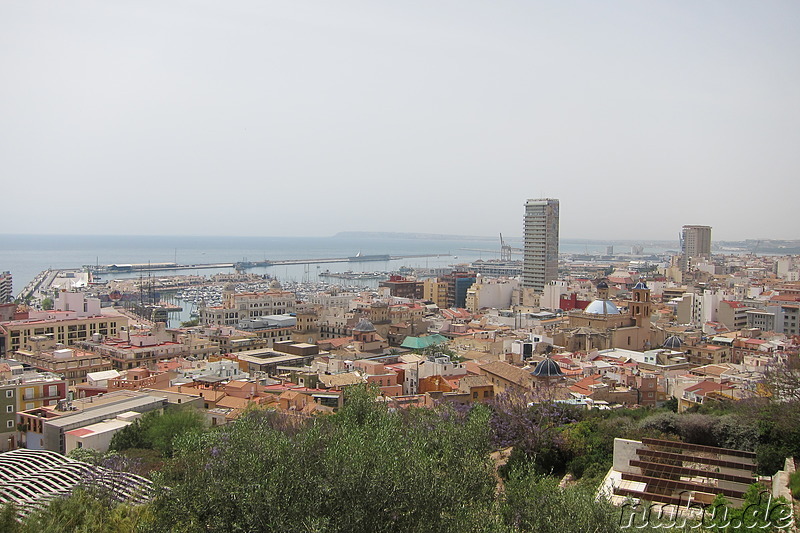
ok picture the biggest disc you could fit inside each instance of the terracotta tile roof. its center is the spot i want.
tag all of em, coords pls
(704, 387)
(508, 372)
(734, 305)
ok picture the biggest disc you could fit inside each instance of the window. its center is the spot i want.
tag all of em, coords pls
(9, 408)
(9, 394)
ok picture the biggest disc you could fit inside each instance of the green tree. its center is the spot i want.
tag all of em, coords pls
(84, 511)
(532, 502)
(158, 430)
(759, 512)
(47, 304)
(365, 468)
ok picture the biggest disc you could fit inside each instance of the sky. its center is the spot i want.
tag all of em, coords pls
(310, 118)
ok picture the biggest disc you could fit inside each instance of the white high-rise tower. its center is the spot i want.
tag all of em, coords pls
(540, 262)
(695, 244)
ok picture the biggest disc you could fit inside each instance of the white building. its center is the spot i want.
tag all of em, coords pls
(553, 291)
(98, 436)
(77, 302)
(540, 262)
(695, 244)
(237, 307)
(491, 293)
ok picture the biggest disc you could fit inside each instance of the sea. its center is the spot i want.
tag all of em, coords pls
(25, 256)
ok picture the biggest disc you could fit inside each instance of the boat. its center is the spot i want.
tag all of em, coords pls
(374, 257)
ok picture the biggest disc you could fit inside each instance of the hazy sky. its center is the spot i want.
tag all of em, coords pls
(313, 117)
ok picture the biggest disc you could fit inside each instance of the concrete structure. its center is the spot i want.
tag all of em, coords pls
(732, 314)
(239, 306)
(552, 294)
(25, 391)
(139, 350)
(601, 325)
(78, 303)
(679, 476)
(46, 428)
(761, 319)
(490, 293)
(697, 308)
(98, 436)
(71, 363)
(540, 263)
(695, 244)
(48, 328)
(402, 287)
(6, 288)
(435, 291)
(782, 318)
(30, 479)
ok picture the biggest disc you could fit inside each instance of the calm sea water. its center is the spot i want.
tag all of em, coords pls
(27, 255)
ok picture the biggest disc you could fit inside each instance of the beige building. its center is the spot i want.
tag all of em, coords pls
(491, 293)
(602, 325)
(435, 291)
(239, 306)
(56, 327)
(71, 363)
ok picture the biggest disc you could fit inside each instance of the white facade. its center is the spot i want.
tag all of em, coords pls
(540, 263)
(491, 293)
(697, 309)
(553, 291)
(78, 303)
(696, 243)
(96, 436)
(242, 306)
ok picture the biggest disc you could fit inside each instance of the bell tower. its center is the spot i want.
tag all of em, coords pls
(640, 305)
(602, 290)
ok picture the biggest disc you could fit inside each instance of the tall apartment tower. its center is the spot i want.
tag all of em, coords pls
(6, 290)
(540, 262)
(695, 243)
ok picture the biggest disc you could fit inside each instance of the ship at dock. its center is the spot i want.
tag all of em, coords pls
(373, 257)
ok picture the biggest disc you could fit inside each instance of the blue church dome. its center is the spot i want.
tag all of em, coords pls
(673, 343)
(547, 368)
(601, 307)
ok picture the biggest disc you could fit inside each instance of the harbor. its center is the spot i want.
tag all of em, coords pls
(244, 265)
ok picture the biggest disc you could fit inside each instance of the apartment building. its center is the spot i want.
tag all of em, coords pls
(240, 306)
(72, 363)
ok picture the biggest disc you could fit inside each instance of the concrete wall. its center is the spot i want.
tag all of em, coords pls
(624, 453)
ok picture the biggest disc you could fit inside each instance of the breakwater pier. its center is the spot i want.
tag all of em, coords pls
(244, 265)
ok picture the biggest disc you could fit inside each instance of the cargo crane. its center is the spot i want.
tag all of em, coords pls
(505, 250)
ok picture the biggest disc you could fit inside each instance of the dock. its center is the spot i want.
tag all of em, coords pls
(244, 265)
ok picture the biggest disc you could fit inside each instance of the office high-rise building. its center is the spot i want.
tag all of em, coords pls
(540, 262)
(695, 244)
(6, 290)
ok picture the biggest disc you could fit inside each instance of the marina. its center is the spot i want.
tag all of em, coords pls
(244, 265)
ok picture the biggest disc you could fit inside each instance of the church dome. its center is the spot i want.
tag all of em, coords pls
(364, 326)
(275, 285)
(640, 285)
(229, 287)
(547, 368)
(602, 307)
(673, 343)
(602, 285)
